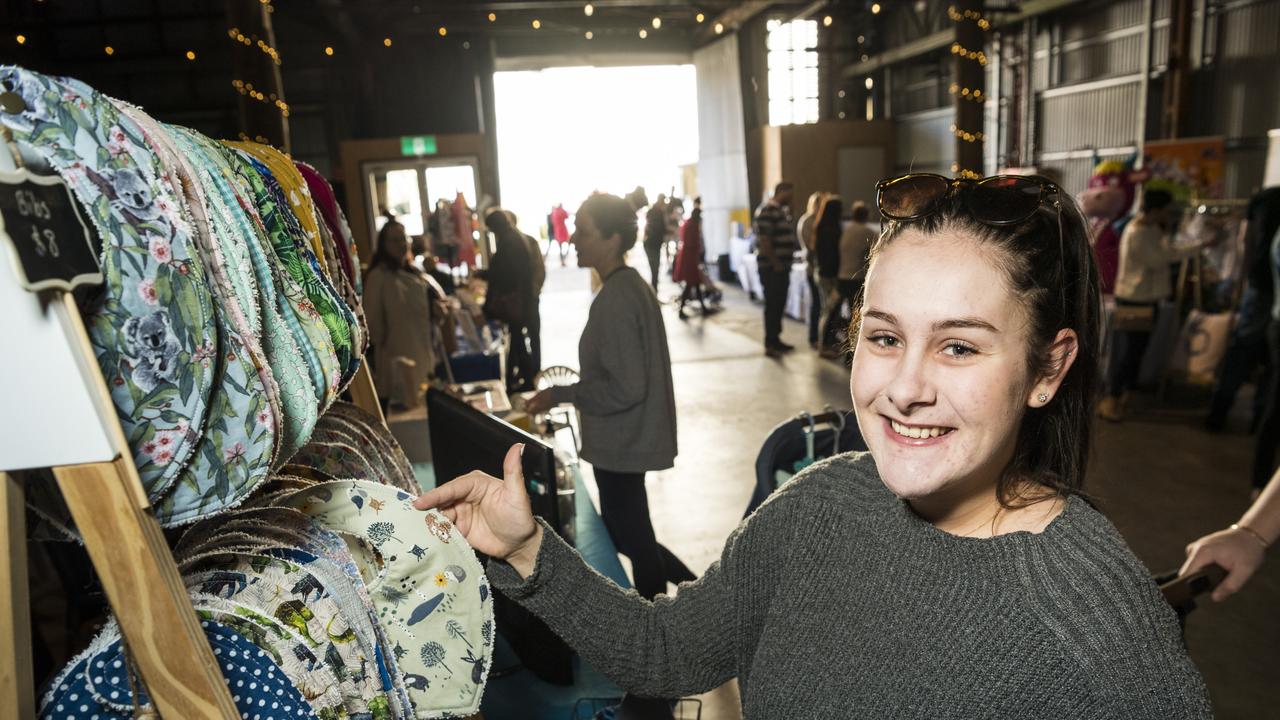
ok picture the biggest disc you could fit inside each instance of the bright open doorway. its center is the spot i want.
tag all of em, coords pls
(566, 132)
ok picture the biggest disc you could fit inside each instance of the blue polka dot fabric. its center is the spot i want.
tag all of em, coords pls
(96, 685)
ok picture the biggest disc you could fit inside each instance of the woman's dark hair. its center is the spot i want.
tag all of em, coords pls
(1050, 268)
(1156, 200)
(860, 212)
(611, 214)
(382, 258)
(829, 216)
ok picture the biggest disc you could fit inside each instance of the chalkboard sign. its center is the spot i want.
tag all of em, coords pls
(42, 221)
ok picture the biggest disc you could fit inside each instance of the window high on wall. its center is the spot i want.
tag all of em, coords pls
(793, 72)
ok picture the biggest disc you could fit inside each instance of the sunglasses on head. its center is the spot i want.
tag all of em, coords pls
(995, 200)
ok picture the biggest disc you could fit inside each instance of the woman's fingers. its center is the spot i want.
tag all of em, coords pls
(470, 486)
(512, 470)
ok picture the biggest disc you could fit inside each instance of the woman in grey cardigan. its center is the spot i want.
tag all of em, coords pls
(954, 571)
(625, 395)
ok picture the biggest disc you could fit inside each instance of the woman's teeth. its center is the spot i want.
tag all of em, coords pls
(918, 433)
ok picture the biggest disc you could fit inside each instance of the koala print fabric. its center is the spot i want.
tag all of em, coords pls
(432, 597)
(154, 323)
(231, 456)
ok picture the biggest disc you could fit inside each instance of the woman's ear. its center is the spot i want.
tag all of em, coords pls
(1062, 354)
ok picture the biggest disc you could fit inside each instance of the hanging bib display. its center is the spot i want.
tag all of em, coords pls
(429, 589)
(154, 320)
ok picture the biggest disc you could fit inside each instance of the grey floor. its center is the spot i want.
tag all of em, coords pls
(1161, 479)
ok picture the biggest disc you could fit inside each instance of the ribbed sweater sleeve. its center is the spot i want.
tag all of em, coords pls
(666, 648)
(1114, 628)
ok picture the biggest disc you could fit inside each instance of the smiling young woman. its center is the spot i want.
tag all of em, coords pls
(955, 570)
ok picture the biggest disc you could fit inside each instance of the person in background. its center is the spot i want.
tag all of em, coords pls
(655, 234)
(1241, 548)
(804, 233)
(1142, 281)
(688, 264)
(1248, 347)
(827, 246)
(509, 298)
(397, 306)
(625, 395)
(1264, 455)
(855, 244)
(559, 230)
(675, 219)
(776, 247)
(538, 267)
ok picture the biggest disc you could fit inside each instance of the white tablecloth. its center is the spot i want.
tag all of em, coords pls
(798, 296)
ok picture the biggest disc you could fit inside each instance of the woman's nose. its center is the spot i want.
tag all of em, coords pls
(910, 385)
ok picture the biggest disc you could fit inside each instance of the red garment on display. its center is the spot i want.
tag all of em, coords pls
(558, 218)
(689, 256)
(462, 228)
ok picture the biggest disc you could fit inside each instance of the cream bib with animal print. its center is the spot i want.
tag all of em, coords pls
(427, 585)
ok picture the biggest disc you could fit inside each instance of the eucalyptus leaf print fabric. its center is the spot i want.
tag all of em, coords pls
(153, 329)
(431, 594)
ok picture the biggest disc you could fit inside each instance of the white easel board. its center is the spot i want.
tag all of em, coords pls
(51, 409)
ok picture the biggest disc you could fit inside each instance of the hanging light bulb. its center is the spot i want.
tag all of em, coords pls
(537, 24)
(719, 28)
(870, 83)
(443, 31)
(643, 33)
(590, 35)
(493, 17)
(328, 51)
(826, 21)
(22, 39)
(191, 54)
(657, 23)
(875, 8)
(109, 50)
(589, 9)
(699, 17)
(386, 42)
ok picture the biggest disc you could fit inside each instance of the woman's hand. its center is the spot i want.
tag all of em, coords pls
(542, 402)
(1238, 552)
(493, 515)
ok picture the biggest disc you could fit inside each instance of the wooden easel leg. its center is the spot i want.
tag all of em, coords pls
(17, 684)
(363, 393)
(145, 590)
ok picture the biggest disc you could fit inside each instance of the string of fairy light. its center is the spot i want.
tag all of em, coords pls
(975, 95)
(247, 89)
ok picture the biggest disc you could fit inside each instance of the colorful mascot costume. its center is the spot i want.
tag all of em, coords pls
(1108, 204)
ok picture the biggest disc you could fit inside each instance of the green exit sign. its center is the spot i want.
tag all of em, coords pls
(418, 145)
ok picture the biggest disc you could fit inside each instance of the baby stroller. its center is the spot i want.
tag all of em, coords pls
(798, 443)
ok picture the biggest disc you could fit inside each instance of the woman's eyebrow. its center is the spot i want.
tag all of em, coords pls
(965, 323)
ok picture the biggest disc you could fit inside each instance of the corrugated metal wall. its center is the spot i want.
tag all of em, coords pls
(925, 142)
(1236, 91)
(1086, 85)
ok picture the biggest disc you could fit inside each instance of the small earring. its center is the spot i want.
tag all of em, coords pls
(1044, 397)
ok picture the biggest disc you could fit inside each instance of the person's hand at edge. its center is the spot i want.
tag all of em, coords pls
(1238, 552)
(493, 515)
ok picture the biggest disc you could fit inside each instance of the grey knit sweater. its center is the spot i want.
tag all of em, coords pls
(625, 396)
(834, 600)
